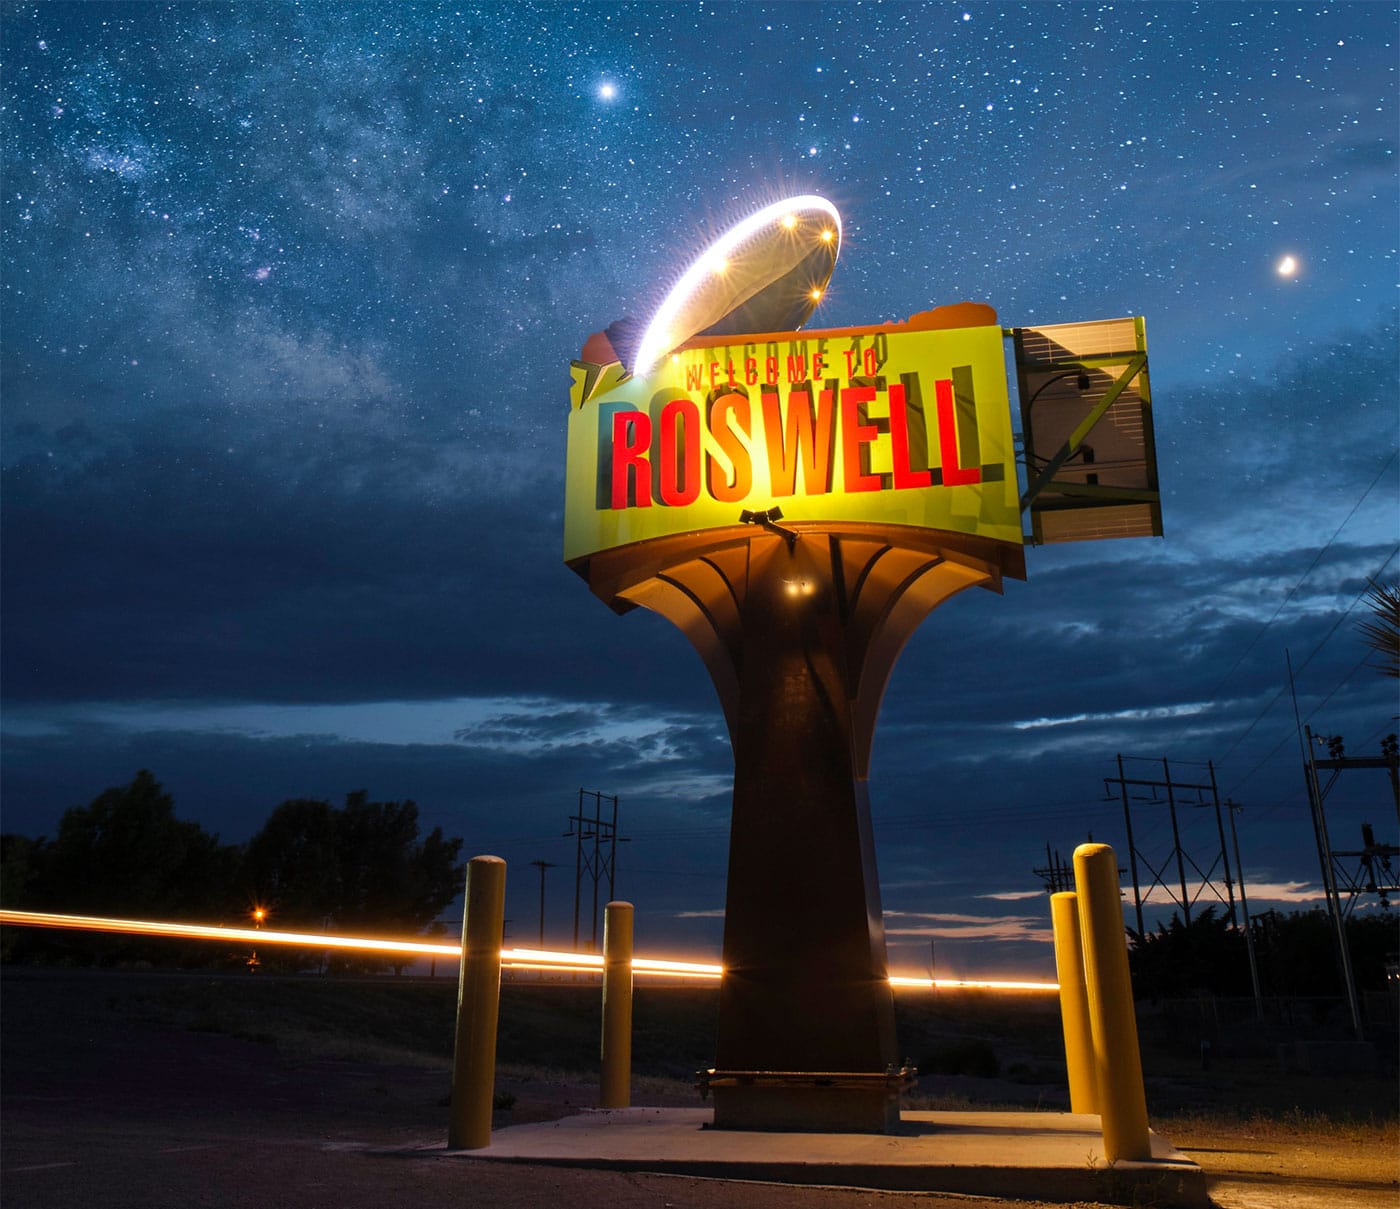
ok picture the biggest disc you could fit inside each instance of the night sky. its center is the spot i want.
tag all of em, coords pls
(289, 296)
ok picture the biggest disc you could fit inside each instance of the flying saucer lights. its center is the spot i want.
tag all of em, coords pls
(765, 274)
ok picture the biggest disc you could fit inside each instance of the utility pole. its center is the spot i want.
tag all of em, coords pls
(1230, 808)
(542, 866)
(598, 861)
(1196, 794)
(1057, 875)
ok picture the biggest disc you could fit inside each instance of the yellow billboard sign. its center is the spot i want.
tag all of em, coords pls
(889, 425)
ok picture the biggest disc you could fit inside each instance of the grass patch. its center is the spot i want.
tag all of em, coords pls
(553, 1031)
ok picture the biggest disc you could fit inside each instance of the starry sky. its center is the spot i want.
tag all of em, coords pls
(289, 294)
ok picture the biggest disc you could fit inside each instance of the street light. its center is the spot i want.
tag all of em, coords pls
(258, 915)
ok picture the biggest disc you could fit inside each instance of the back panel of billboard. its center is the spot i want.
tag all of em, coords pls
(1086, 416)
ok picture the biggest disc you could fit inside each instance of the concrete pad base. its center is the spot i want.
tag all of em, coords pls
(1023, 1155)
(805, 1101)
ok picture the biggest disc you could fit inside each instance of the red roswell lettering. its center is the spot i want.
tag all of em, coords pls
(680, 453)
(857, 432)
(805, 439)
(953, 474)
(631, 441)
(904, 474)
(674, 459)
(732, 408)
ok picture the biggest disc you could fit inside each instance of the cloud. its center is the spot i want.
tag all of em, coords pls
(1007, 929)
(507, 725)
(1259, 892)
(1148, 714)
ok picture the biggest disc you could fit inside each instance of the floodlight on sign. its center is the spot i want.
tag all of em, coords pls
(1086, 420)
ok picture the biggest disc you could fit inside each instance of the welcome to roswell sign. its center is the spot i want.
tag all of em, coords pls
(888, 425)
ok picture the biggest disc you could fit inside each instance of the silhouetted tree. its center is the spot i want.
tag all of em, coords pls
(126, 854)
(1382, 632)
(1296, 954)
(388, 878)
(20, 861)
(292, 866)
(359, 869)
(1182, 959)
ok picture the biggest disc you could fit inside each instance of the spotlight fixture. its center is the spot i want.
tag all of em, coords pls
(768, 519)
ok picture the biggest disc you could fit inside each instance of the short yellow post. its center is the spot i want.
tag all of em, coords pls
(1074, 1003)
(478, 1004)
(616, 1079)
(1121, 1100)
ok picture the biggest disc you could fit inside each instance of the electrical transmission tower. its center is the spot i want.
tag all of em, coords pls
(1375, 871)
(598, 860)
(1375, 874)
(1172, 793)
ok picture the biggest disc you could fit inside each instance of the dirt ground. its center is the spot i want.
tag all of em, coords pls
(106, 1110)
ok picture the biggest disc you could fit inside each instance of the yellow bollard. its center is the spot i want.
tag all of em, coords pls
(1112, 1022)
(616, 1078)
(1074, 1003)
(478, 1004)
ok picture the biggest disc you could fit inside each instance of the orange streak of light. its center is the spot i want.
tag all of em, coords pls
(254, 936)
(525, 959)
(970, 984)
(536, 959)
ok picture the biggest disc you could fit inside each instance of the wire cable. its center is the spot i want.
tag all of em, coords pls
(1316, 559)
(1262, 713)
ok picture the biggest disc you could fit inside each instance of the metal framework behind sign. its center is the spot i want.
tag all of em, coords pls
(1086, 420)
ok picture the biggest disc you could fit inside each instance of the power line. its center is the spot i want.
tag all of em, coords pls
(1260, 716)
(1316, 559)
(1347, 614)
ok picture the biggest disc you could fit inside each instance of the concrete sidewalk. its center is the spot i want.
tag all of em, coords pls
(1023, 1155)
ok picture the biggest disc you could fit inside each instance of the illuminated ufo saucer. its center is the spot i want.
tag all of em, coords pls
(766, 274)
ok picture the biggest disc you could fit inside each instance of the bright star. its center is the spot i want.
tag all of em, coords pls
(607, 90)
(1287, 267)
